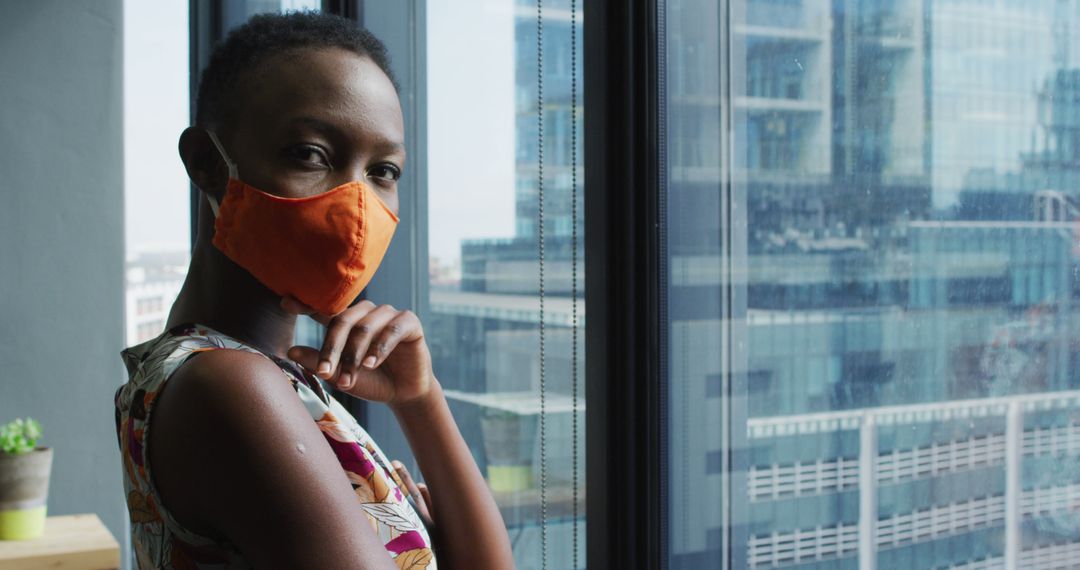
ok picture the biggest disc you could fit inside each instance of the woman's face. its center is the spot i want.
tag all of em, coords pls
(308, 121)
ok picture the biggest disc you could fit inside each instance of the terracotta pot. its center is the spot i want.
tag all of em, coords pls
(24, 489)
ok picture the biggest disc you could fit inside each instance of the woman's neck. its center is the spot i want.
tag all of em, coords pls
(223, 296)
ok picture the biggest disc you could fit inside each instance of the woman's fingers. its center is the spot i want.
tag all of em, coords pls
(426, 494)
(304, 356)
(338, 330)
(359, 339)
(414, 490)
(357, 342)
(406, 478)
(403, 326)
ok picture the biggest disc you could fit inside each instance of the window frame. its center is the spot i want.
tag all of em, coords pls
(626, 275)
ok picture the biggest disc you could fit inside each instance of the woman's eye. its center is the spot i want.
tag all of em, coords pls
(387, 172)
(310, 154)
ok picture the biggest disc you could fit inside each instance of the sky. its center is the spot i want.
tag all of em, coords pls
(470, 90)
(156, 188)
(470, 118)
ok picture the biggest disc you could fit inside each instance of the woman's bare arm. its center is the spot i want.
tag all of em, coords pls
(469, 529)
(236, 456)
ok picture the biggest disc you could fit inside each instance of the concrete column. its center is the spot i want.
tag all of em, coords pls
(1014, 455)
(868, 504)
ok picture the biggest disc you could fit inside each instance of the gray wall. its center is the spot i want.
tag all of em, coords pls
(62, 240)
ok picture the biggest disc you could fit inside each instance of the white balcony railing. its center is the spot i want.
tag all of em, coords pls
(870, 469)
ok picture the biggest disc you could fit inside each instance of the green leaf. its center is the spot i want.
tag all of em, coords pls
(19, 435)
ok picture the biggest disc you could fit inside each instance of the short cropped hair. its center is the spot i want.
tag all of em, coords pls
(267, 35)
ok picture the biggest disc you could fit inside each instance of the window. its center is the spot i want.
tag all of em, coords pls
(483, 238)
(873, 266)
(155, 183)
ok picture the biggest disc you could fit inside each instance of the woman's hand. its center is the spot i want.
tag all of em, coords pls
(419, 493)
(377, 353)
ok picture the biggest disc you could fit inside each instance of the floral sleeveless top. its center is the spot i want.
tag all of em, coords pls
(160, 541)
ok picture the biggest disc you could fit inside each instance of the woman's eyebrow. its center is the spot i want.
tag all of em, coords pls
(389, 146)
(333, 131)
(325, 127)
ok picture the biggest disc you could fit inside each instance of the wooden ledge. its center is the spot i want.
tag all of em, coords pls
(73, 542)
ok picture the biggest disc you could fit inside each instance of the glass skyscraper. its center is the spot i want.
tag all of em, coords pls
(901, 252)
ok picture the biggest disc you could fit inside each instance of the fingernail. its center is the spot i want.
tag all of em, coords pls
(344, 379)
(369, 362)
(324, 367)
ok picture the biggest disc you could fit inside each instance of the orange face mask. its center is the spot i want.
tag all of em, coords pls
(322, 250)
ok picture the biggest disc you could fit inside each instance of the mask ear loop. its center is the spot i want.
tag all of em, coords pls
(234, 173)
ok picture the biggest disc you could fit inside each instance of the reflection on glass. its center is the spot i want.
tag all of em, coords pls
(483, 326)
(874, 255)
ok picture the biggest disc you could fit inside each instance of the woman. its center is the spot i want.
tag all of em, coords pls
(297, 148)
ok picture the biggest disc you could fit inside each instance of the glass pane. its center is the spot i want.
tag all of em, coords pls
(483, 325)
(874, 255)
(156, 195)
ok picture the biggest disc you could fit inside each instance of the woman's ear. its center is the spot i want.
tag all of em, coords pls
(204, 164)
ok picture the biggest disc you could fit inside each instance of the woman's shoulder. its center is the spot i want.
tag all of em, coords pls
(226, 399)
(208, 386)
(238, 455)
(188, 392)
(153, 364)
(193, 384)
(214, 411)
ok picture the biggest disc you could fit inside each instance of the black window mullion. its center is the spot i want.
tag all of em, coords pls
(351, 9)
(625, 271)
(204, 31)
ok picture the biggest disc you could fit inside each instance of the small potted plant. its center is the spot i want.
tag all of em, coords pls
(24, 480)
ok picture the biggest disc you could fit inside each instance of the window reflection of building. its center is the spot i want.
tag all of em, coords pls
(483, 328)
(901, 350)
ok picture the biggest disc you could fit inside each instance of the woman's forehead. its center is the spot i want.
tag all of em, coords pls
(331, 85)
